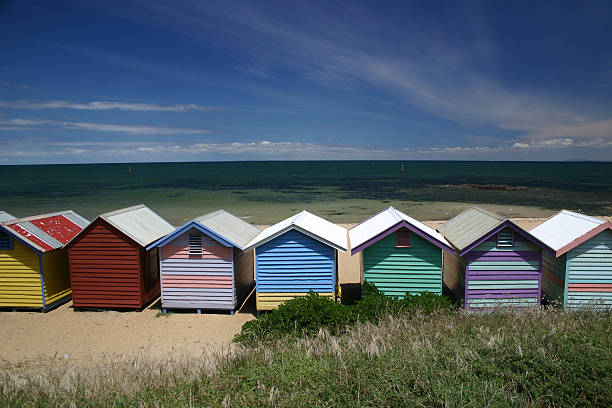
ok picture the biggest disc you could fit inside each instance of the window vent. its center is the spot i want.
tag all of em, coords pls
(5, 241)
(402, 238)
(505, 239)
(195, 243)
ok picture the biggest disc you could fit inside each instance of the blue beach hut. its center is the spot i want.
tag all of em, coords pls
(296, 256)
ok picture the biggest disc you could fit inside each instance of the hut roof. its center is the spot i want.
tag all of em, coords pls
(469, 226)
(567, 229)
(309, 224)
(221, 225)
(4, 216)
(140, 223)
(387, 221)
(46, 232)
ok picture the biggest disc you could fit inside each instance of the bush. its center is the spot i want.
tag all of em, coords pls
(307, 315)
(298, 316)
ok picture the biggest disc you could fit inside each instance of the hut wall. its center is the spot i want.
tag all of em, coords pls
(553, 277)
(56, 276)
(589, 273)
(19, 276)
(291, 265)
(396, 271)
(453, 276)
(197, 281)
(503, 276)
(244, 266)
(105, 269)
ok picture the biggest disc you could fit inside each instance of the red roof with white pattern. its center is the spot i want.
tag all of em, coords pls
(46, 232)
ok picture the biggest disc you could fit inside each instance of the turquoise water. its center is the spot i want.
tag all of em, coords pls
(254, 188)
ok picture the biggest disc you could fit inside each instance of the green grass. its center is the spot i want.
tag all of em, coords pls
(536, 358)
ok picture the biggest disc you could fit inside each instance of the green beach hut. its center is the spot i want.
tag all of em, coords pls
(400, 254)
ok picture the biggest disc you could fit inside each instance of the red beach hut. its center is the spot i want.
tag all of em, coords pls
(109, 265)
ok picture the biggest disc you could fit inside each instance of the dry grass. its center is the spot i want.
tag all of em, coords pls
(533, 358)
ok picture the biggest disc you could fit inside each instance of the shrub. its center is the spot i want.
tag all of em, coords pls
(307, 315)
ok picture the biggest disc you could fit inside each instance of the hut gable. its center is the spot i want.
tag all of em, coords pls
(109, 265)
(295, 256)
(382, 224)
(201, 264)
(308, 224)
(581, 274)
(33, 264)
(502, 261)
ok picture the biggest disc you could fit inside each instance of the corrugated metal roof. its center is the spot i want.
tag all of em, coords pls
(4, 216)
(384, 220)
(467, 227)
(229, 227)
(139, 222)
(309, 224)
(564, 228)
(47, 232)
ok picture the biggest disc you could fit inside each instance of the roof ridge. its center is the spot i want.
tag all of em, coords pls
(122, 210)
(36, 217)
(299, 216)
(210, 215)
(583, 216)
(490, 213)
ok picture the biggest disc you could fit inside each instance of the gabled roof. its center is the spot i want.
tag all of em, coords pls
(140, 223)
(387, 221)
(224, 227)
(4, 216)
(46, 232)
(309, 224)
(567, 230)
(469, 226)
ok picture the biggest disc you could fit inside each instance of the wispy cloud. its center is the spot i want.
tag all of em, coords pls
(425, 66)
(25, 124)
(104, 105)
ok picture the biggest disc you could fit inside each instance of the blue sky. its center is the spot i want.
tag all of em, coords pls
(150, 80)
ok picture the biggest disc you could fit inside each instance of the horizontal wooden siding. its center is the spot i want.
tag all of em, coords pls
(56, 276)
(395, 271)
(589, 274)
(503, 276)
(293, 264)
(197, 281)
(105, 269)
(20, 277)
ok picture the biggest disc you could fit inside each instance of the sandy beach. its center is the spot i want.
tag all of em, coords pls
(85, 338)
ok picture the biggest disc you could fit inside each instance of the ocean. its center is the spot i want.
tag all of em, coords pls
(342, 191)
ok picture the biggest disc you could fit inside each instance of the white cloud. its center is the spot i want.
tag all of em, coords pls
(102, 105)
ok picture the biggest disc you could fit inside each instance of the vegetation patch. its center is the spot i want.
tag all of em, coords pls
(306, 315)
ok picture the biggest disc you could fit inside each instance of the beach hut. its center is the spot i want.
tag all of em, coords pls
(202, 264)
(496, 262)
(109, 264)
(400, 254)
(579, 272)
(296, 256)
(33, 262)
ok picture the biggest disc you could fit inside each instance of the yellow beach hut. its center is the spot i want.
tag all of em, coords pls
(33, 263)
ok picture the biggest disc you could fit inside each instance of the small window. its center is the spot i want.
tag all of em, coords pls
(505, 239)
(6, 242)
(402, 238)
(195, 243)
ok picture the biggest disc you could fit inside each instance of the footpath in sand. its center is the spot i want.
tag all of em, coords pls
(90, 337)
